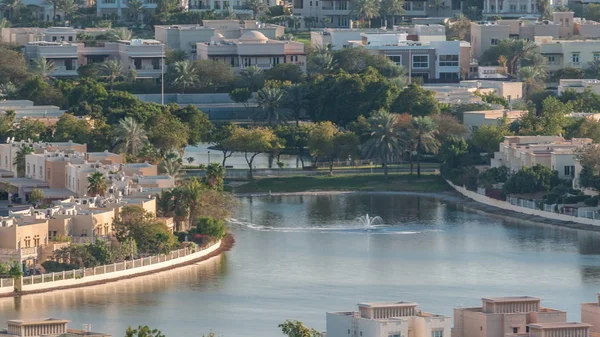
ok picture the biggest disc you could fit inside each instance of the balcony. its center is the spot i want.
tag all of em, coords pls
(18, 254)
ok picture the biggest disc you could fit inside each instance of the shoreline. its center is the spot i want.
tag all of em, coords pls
(226, 244)
(450, 196)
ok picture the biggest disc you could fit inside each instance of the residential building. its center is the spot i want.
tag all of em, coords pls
(510, 8)
(562, 54)
(26, 108)
(433, 60)
(21, 35)
(567, 329)
(50, 166)
(252, 49)
(504, 316)
(485, 35)
(8, 152)
(62, 54)
(239, 7)
(337, 39)
(553, 152)
(21, 241)
(185, 37)
(452, 94)
(511, 91)
(473, 120)
(48, 327)
(117, 9)
(578, 85)
(590, 313)
(383, 319)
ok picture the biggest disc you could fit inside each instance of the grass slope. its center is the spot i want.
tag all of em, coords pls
(347, 182)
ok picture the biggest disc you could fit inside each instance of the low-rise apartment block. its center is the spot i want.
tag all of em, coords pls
(8, 152)
(506, 316)
(384, 319)
(578, 85)
(553, 152)
(252, 49)
(562, 54)
(510, 8)
(473, 120)
(49, 327)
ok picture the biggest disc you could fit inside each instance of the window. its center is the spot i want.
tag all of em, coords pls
(317, 3)
(551, 59)
(569, 171)
(420, 61)
(575, 58)
(396, 59)
(247, 62)
(596, 56)
(527, 329)
(156, 63)
(449, 76)
(515, 330)
(448, 60)
(437, 333)
(494, 42)
(274, 61)
(70, 38)
(310, 3)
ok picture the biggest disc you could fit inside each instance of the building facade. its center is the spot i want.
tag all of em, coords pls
(510, 8)
(387, 320)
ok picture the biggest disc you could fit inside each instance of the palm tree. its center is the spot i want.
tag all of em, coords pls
(296, 99)
(593, 70)
(424, 132)
(19, 161)
(136, 8)
(213, 178)
(544, 8)
(54, 4)
(533, 78)
(190, 160)
(111, 70)
(269, 100)
(520, 49)
(97, 184)
(193, 190)
(228, 14)
(256, 6)
(175, 55)
(10, 6)
(4, 23)
(130, 136)
(43, 67)
(186, 74)
(437, 5)
(389, 9)
(172, 167)
(321, 60)
(386, 140)
(8, 90)
(120, 34)
(253, 77)
(68, 7)
(364, 9)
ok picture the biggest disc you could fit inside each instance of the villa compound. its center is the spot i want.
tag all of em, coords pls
(49, 327)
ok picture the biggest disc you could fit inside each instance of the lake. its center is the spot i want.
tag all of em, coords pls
(300, 256)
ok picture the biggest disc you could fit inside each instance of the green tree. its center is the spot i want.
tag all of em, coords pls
(270, 100)
(360, 60)
(326, 141)
(285, 72)
(459, 28)
(296, 100)
(321, 61)
(7, 120)
(43, 68)
(253, 142)
(68, 7)
(493, 175)
(36, 196)
(488, 137)
(389, 9)
(13, 67)
(531, 179)
(533, 78)
(130, 136)
(515, 51)
(221, 139)
(175, 55)
(214, 176)
(252, 77)
(293, 328)
(10, 6)
(416, 101)
(15, 270)
(241, 95)
(19, 161)
(172, 167)
(423, 130)
(119, 34)
(214, 75)
(111, 70)
(214, 228)
(143, 331)
(8, 90)
(452, 152)
(364, 10)
(72, 128)
(593, 69)
(97, 184)
(136, 9)
(256, 6)
(545, 8)
(386, 142)
(150, 235)
(198, 123)
(168, 133)
(186, 74)
(40, 92)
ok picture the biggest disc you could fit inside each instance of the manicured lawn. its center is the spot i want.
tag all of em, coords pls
(393, 166)
(347, 182)
(303, 37)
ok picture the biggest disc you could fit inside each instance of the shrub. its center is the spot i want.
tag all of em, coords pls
(212, 227)
(55, 267)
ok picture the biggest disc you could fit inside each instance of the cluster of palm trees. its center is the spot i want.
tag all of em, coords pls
(365, 10)
(391, 137)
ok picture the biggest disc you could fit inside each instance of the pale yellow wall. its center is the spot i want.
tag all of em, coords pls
(590, 314)
(60, 224)
(10, 237)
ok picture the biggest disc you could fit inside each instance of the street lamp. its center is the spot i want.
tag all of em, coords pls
(208, 157)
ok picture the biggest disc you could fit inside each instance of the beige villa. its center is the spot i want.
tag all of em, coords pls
(49, 327)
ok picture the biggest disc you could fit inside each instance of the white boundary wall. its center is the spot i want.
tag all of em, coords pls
(507, 206)
(82, 277)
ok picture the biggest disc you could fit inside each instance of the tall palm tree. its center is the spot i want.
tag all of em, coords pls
(533, 78)
(296, 99)
(111, 70)
(438, 5)
(193, 190)
(43, 68)
(593, 70)
(386, 141)
(520, 49)
(228, 14)
(120, 34)
(68, 7)
(8, 90)
(364, 9)
(130, 136)
(321, 61)
(186, 74)
(97, 184)
(544, 8)
(19, 161)
(424, 132)
(10, 6)
(256, 6)
(389, 9)
(253, 77)
(269, 100)
(54, 4)
(136, 8)
(172, 167)
(213, 178)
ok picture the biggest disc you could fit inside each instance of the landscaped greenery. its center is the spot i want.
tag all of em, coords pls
(351, 182)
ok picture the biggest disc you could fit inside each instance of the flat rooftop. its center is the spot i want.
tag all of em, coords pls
(512, 299)
(36, 321)
(387, 304)
(559, 325)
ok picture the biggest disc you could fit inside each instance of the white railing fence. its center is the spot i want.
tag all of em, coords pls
(104, 269)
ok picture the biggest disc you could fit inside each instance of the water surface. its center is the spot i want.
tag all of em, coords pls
(300, 256)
